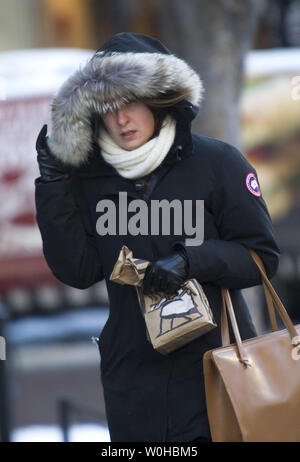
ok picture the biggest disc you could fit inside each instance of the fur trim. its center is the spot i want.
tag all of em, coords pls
(104, 84)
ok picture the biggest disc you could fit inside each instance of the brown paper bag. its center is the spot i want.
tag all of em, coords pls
(171, 321)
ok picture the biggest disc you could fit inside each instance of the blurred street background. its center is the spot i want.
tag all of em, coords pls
(247, 53)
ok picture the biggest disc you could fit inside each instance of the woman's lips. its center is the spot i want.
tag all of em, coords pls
(128, 135)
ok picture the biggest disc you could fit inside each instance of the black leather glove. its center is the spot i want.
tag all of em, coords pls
(166, 275)
(51, 169)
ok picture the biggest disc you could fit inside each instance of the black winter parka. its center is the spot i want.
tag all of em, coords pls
(150, 396)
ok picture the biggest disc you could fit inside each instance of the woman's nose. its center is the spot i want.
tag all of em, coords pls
(122, 117)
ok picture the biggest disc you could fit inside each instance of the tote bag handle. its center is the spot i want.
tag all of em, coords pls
(272, 300)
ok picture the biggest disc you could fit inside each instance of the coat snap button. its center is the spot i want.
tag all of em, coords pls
(139, 186)
(179, 150)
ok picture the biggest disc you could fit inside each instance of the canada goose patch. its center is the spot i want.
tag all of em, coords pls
(252, 184)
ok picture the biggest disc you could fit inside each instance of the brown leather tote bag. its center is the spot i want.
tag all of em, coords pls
(253, 387)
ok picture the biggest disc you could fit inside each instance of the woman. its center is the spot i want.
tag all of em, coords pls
(123, 124)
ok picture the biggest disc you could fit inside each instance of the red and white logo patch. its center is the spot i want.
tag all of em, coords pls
(252, 184)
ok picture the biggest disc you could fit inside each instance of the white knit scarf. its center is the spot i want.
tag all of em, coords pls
(143, 160)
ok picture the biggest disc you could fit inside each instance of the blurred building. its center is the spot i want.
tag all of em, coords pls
(270, 110)
(70, 23)
(88, 23)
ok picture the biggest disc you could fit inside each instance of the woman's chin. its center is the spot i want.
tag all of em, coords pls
(130, 145)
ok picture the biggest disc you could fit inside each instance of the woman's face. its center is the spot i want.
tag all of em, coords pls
(131, 126)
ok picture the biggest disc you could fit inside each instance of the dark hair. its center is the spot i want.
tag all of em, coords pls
(159, 115)
(160, 107)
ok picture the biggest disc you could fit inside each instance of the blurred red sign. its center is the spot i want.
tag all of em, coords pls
(28, 80)
(21, 257)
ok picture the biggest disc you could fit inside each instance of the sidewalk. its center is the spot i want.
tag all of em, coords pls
(51, 358)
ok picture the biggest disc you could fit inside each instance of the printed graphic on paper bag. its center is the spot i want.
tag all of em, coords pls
(177, 310)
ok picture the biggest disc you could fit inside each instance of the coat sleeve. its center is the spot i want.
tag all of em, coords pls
(68, 245)
(243, 222)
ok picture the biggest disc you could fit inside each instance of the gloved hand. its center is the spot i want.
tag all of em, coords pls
(51, 169)
(166, 275)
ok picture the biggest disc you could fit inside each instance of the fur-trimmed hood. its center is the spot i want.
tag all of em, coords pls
(128, 67)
